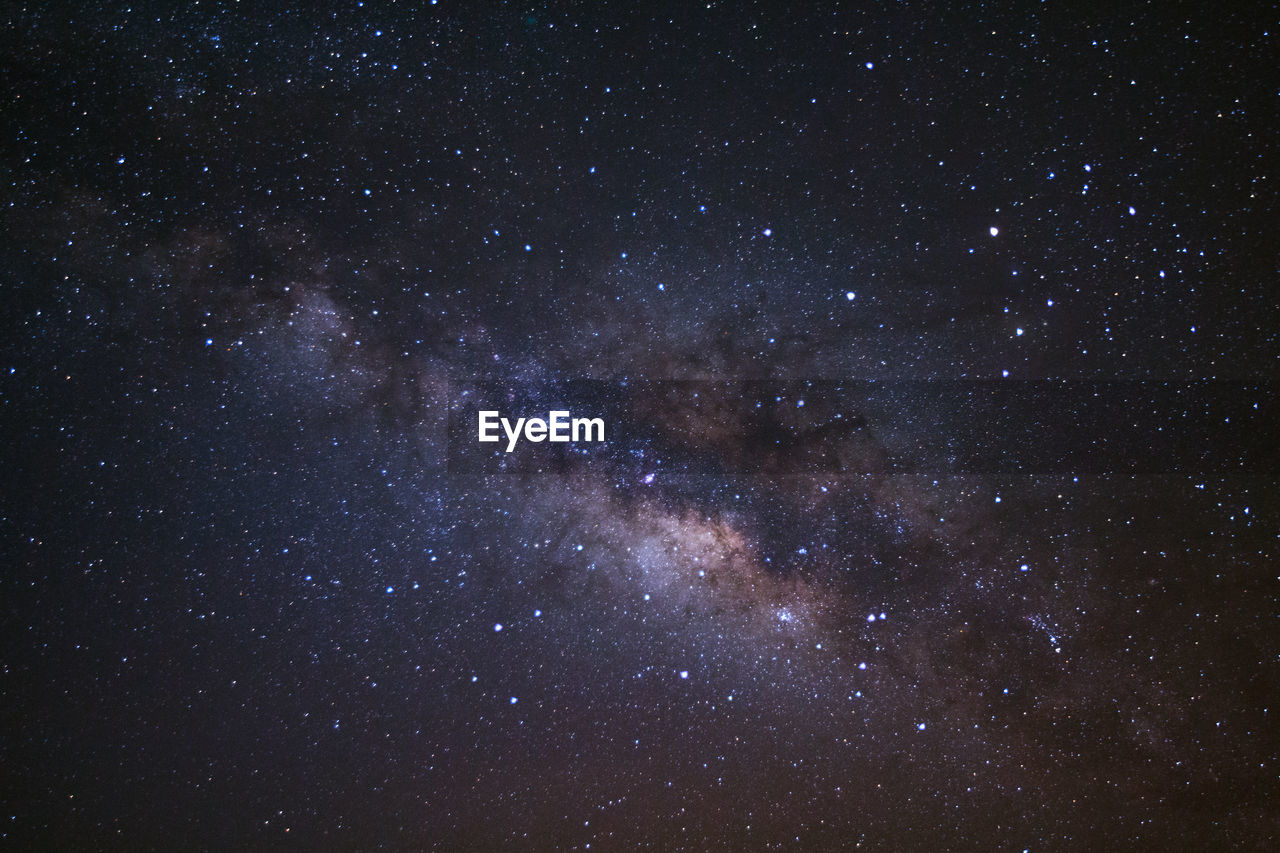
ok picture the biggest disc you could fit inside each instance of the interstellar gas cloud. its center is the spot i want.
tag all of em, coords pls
(638, 426)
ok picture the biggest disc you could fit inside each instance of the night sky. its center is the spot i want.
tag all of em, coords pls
(937, 349)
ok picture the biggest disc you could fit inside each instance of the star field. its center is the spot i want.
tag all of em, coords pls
(937, 505)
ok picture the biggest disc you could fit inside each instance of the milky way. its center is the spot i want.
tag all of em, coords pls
(937, 502)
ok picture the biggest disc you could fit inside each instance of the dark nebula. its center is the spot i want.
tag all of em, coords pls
(937, 350)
